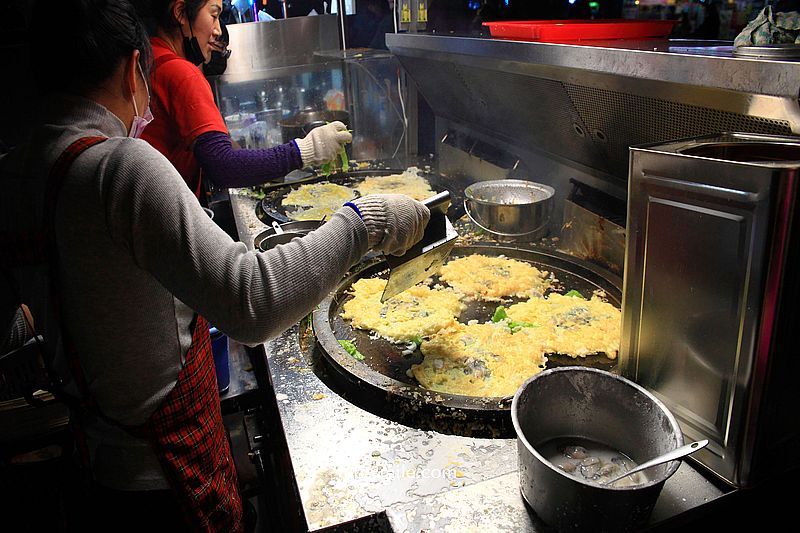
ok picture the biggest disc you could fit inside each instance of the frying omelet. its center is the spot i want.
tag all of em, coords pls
(416, 312)
(408, 183)
(491, 278)
(571, 326)
(478, 360)
(316, 200)
(494, 358)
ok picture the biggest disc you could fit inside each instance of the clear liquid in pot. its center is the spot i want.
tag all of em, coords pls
(590, 461)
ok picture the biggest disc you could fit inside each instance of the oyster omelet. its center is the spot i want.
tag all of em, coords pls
(478, 360)
(571, 326)
(492, 278)
(416, 312)
(409, 183)
(316, 200)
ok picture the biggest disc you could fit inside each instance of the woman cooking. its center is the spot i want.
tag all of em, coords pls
(135, 268)
(188, 127)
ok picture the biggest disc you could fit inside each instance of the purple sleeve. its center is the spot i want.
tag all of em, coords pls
(226, 167)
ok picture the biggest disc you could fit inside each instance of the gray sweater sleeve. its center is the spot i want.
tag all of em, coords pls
(249, 295)
(16, 334)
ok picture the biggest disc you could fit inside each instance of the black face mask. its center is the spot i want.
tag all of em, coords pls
(194, 54)
(217, 64)
(219, 60)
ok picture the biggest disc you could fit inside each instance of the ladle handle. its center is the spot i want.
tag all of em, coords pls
(677, 453)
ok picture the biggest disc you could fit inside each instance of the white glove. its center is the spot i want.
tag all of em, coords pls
(323, 143)
(395, 222)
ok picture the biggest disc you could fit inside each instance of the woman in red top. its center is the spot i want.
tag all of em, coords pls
(188, 127)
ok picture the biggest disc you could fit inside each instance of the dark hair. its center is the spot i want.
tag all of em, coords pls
(80, 43)
(159, 12)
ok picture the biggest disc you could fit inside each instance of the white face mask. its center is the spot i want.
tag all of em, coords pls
(140, 123)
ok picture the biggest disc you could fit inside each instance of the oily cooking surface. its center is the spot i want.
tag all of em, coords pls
(468, 353)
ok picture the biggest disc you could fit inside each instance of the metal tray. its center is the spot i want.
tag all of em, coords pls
(382, 376)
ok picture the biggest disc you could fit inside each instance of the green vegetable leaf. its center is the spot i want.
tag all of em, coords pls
(326, 169)
(575, 294)
(499, 314)
(516, 326)
(416, 339)
(351, 349)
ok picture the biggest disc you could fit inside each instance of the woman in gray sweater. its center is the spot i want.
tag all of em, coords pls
(139, 269)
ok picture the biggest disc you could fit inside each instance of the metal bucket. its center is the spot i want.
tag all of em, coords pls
(510, 208)
(598, 406)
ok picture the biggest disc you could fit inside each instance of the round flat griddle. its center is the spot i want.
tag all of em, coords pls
(382, 378)
(271, 206)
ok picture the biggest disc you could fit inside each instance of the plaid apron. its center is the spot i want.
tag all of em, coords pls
(186, 430)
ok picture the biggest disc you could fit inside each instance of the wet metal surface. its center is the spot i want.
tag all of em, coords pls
(352, 464)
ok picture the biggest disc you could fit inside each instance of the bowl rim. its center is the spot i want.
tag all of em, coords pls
(673, 465)
(469, 189)
(278, 236)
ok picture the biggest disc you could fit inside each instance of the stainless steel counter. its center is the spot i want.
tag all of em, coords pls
(354, 467)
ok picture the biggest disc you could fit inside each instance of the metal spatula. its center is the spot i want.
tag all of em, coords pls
(427, 256)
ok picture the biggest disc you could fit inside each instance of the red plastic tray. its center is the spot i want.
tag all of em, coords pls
(579, 30)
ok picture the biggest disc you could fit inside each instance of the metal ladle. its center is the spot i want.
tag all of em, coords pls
(677, 453)
(277, 227)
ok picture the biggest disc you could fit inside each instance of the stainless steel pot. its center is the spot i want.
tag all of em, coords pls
(510, 208)
(591, 404)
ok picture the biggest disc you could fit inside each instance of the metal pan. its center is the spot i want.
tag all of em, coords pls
(383, 374)
(268, 238)
(271, 206)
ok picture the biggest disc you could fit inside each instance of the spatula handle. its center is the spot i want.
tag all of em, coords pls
(438, 202)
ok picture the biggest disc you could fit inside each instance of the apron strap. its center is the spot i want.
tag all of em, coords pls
(55, 182)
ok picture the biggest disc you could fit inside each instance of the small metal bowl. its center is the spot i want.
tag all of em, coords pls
(510, 208)
(268, 239)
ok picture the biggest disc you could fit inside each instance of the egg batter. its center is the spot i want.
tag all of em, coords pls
(478, 360)
(414, 313)
(316, 200)
(571, 326)
(491, 278)
(408, 183)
